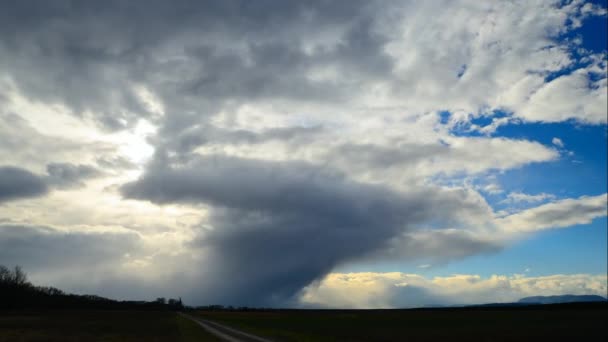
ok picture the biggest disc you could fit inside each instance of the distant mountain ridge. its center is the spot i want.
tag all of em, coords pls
(561, 299)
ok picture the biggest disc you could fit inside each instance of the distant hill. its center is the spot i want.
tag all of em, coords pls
(561, 299)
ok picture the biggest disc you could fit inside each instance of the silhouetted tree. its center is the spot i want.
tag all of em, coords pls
(16, 292)
(15, 277)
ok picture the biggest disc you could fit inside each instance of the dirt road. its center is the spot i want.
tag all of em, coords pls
(226, 333)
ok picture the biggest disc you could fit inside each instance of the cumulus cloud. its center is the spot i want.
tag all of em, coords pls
(402, 290)
(274, 213)
(16, 183)
(269, 213)
(570, 96)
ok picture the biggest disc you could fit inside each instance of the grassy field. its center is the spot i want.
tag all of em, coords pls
(557, 323)
(487, 324)
(76, 325)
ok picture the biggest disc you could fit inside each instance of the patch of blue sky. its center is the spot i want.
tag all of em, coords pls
(593, 32)
(580, 170)
(462, 70)
(574, 250)
(444, 117)
(590, 38)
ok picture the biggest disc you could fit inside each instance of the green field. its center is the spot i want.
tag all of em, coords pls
(79, 325)
(575, 324)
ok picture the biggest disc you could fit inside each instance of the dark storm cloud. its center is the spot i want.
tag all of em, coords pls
(278, 226)
(17, 183)
(38, 248)
(66, 175)
(196, 55)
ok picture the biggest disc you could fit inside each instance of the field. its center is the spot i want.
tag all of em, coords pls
(487, 324)
(556, 322)
(78, 325)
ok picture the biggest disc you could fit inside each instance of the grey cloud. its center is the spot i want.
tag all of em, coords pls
(78, 262)
(192, 138)
(412, 296)
(95, 262)
(21, 144)
(38, 249)
(88, 55)
(66, 175)
(17, 183)
(440, 245)
(374, 156)
(115, 163)
(276, 227)
(469, 155)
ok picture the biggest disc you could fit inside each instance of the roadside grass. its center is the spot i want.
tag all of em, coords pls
(84, 325)
(420, 325)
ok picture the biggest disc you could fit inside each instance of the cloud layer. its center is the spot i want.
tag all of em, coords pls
(401, 290)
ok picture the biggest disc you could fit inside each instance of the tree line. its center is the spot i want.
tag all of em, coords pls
(16, 292)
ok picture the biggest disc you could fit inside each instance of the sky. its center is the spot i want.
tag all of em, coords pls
(332, 154)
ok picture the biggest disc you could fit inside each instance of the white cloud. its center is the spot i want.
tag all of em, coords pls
(557, 142)
(492, 188)
(395, 290)
(520, 197)
(506, 50)
(559, 214)
(567, 97)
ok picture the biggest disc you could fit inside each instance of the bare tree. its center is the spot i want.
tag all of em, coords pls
(13, 277)
(5, 275)
(20, 278)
